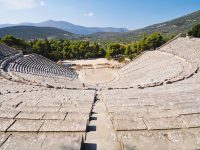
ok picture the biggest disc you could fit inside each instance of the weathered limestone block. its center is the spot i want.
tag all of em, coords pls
(24, 141)
(126, 125)
(63, 125)
(164, 123)
(30, 115)
(56, 141)
(26, 125)
(5, 124)
(54, 116)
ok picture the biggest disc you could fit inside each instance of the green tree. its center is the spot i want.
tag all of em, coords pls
(42, 47)
(115, 50)
(154, 40)
(15, 42)
(128, 50)
(195, 31)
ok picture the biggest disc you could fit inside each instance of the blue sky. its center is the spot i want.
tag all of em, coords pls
(131, 14)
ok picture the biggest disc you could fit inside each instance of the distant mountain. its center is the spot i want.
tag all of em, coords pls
(6, 25)
(66, 26)
(172, 27)
(31, 32)
(58, 29)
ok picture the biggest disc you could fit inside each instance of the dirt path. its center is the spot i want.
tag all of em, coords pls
(101, 134)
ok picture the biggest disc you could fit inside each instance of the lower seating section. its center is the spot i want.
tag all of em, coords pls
(6, 51)
(40, 141)
(151, 69)
(44, 119)
(163, 117)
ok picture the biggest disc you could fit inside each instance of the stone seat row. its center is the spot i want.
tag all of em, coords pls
(6, 51)
(187, 48)
(147, 59)
(37, 70)
(148, 71)
(33, 64)
(53, 81)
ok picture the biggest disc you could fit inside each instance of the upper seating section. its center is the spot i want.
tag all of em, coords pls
(35, 69)
(153, 68)
(187, 48)
(6, 51)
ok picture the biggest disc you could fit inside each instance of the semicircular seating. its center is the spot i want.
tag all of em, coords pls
(153, 68)
(36, 69)
(161, 117)
(38, 65)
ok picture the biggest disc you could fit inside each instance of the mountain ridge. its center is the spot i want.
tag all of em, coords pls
(168, 28)
(32, 32)
(171, 27)
(66, 26)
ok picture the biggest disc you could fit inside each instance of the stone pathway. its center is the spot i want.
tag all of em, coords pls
(101, 134)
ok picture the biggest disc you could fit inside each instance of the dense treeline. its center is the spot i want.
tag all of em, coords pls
(116, 50)
(66, 49)
(57, 49)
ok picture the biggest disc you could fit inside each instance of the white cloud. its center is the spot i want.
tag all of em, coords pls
(42, 3)
(90, 14)
(20, 4)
